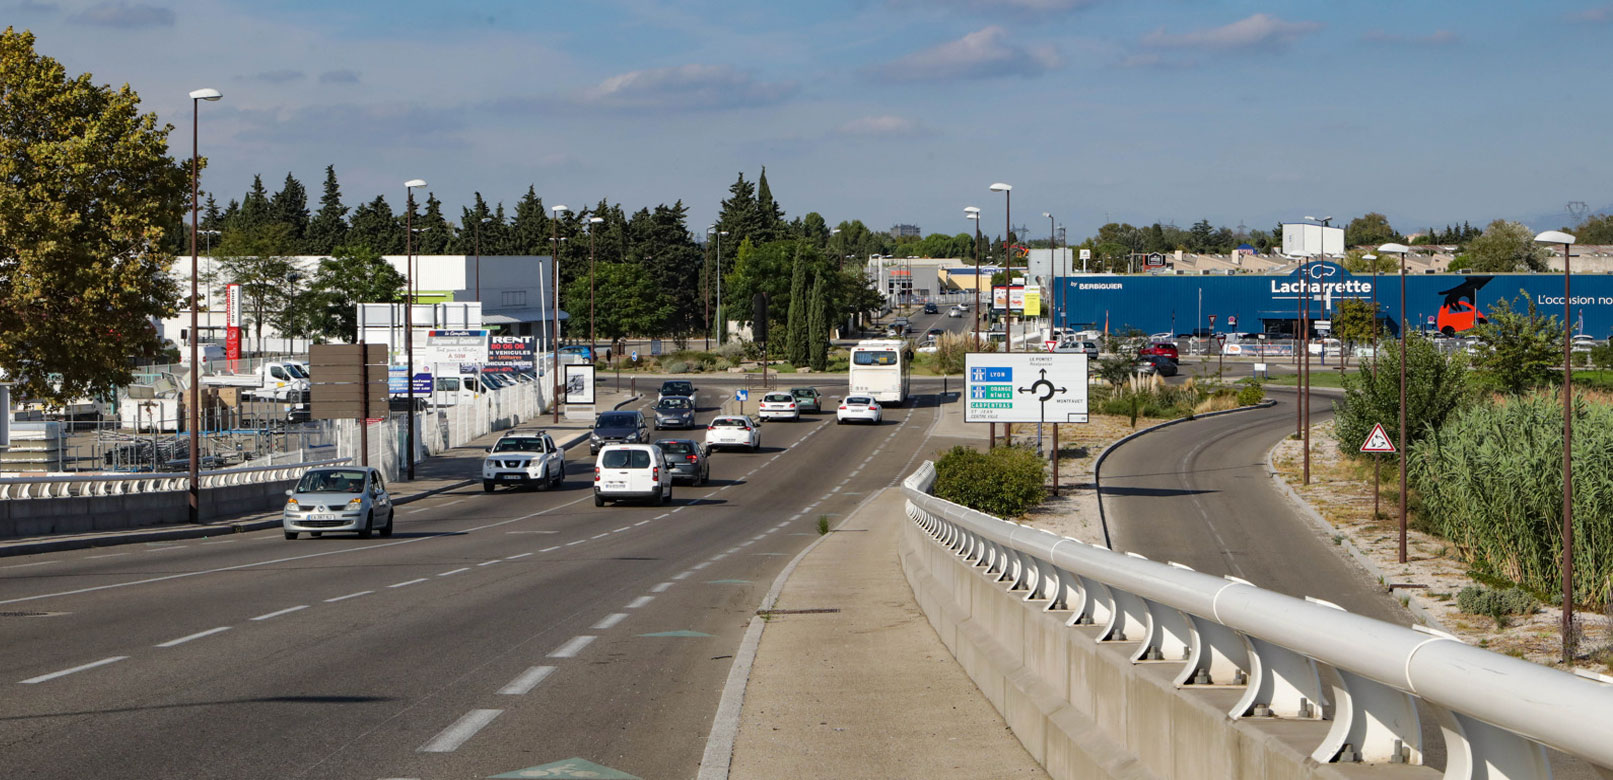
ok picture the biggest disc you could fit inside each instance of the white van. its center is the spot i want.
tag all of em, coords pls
(631, 471)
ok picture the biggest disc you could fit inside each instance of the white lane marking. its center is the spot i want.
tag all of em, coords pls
(197, 635)
(701, 565)
(160, 549)
(600, 536)
(680, 509)
(662, 516)
(26, 565)
(836, 489)
(572, 647)
(65, 672)
(454, 571)
(528, 680)
(550, 549)
(642, 522)
(463, 729)
(623, 528)
(639, 602)
(108, 555)
(421, 509)
(349, 596)
(518, 555)
(759, 537)
(488, 563)
(610, 621)
(407, 583)
(288, 559)
(744, 544)
(579, 541)
(682, 575)
(279, 612)
(221, 541)
(731, 550)
(662, 588)
(451, 503)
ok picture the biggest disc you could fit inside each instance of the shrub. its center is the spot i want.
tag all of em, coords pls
(676, 367)
(1436, 388)
(733, 351)
(950, 349)
(1602, 355)
(1251, 394)
(1005, 482)
(1498, 604)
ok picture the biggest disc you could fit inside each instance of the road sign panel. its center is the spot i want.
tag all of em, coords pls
(1378, 441)
(1232, 320)
(1025, 387)
(1155, 260)
(1212, 320)
(741, 395)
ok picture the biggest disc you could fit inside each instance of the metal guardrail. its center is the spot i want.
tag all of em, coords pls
(73, 486)
(1495, 711)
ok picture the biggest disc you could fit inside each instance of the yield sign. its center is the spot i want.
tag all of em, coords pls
(1378, 441)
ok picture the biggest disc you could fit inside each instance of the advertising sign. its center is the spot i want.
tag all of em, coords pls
(1032, 300)
(1025, 387)
(395, 384)
(1012, 297)
(232, 321)
(509, 354)
(1155, 260)
(1086, 254)
(580, 384)
(455, 346)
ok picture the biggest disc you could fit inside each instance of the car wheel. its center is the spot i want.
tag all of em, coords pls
(386, 530)
(291, 535)
(487, 486)
(598, 501)
(369, 522)
(559, 478)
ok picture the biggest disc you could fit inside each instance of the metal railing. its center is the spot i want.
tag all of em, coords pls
(69, 486)
(1495, 712)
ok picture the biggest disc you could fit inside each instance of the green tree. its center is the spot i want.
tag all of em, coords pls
(795, 339)
(1370, 229)
(771, 215)
(1436, 386)
(1596, 229)
(1521, 350)
(1353, 321)
(349, 276)
(373, 226)
(259, 260)
(628, 303)
(433, 233)
(529, 230)
(86, 188)
(818, 326)
(289, 207)
(328, 228)
(1505, 247)
(255, 209)
(1356, 262)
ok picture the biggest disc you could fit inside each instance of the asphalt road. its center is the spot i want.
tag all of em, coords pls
(491, 633)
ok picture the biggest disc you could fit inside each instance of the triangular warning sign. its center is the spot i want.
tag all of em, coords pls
(1378, 441)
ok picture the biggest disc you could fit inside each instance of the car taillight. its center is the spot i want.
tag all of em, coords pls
(691, 458)
(842, 407)
(596, 473)
(874, 407)
(791, 406)
(711, 427)
(655, 473)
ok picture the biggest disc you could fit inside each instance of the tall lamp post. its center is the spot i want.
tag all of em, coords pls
(408, 306)
(554, 313)
(1402, 250)
(1567, 240)
(193, 500)
(973, 213)
(592, 221)
(705, 283)
(477, 225)
(1052, 264)
(722, 325)
(1305, 342)
(1008, 272)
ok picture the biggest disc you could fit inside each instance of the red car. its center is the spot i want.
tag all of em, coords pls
(1163, 349)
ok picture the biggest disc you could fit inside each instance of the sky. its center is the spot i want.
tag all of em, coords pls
(888, 111)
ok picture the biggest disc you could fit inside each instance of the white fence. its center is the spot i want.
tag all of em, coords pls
(1495, 711)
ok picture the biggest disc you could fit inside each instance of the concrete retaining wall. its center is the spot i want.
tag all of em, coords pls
(87, 514)
(1083, 709)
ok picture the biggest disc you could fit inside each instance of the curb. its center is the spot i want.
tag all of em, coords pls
(1415, 603)
(1097, 465)
(181, 533)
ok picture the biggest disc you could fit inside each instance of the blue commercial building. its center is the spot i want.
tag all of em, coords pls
(1248, 303)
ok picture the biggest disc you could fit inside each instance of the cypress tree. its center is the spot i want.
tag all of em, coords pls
(289, 207)
(795, 348)
(328, 229)
(254, 207)
(818, 327)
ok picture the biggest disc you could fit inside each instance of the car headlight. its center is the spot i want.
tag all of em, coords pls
(291, 504)
(593, 437)
(631, 437)
(355, 503)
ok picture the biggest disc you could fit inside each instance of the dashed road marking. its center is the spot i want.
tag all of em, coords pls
(600, 536)
(623, 528)
(700, 565)
(516, 556)
(488, 563)
(579, 541)
(682, 575)
(65, 672)
(528, 680)
(197, 635)
(639, 602)
(572, 647)
(279, 612)
(355, 595)
(407, 583)
(463, 729)
(661, 588)
(609, 621)
(550, 549)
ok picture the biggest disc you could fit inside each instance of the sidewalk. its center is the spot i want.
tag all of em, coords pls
(450, 469)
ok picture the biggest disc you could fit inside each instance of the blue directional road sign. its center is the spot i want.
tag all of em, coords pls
(991, 374)
(741, 395)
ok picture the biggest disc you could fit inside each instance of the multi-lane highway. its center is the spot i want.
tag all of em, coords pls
(491, 633)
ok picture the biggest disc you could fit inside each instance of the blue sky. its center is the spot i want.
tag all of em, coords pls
(888, 110)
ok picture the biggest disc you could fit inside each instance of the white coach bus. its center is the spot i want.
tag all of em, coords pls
(882, 368)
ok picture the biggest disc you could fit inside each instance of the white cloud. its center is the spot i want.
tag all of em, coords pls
(885, 126)
(125, 16)
(685, 87)
(1255, 31)
(1435, 38)
(986, 53)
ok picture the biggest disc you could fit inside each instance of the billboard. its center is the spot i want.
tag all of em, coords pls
(580, 384)
(1008, 297)
(509, 354)
(1302, 239)
(455, 346)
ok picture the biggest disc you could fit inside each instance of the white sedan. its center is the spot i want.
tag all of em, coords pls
(733, 431)
(777, 406)
(858, 408)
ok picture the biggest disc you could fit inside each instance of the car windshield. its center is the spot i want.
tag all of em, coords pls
(332, 481)
(675, 446)
(803, 392)
(677, 388)
(625, 459)
(674, 403)
(518, 444)
(729, 422)
(874, 358)
(859, 400)
(296, 371)
(616, 420)
(778, 397)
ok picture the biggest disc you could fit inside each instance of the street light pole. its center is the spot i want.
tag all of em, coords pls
(193, 501)
(592, 221)
(1052, 265)
(722, 325)
(478, 227)
(705, 283)
(554, 313)
(973, 213)
(408, 307)
(1305, 373)
(1008, 271)
(1402, 249)
(1567, 240)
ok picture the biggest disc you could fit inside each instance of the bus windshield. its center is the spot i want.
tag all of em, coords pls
(874, 358)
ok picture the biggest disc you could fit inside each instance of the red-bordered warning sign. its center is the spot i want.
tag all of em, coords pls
(1378, 441)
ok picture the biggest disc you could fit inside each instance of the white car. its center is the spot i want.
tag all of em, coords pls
(631, 471)
(529, 459)
(858, 408)
(733, 430)
(778, 406)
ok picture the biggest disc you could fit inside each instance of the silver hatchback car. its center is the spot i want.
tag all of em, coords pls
(338, 498)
